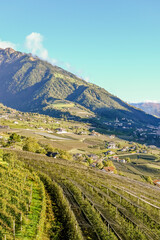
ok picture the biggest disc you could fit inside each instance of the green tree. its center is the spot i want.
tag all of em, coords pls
(1, 153)
(64, 154)
(31, 145)
(100, 165)
(128, 159)
(90, 161)
(15, 137)
(108, 163)
(119, 145)
(149, 180)
(49, 148)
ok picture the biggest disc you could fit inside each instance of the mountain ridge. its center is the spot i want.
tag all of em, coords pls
(149, 107)
(31, 84)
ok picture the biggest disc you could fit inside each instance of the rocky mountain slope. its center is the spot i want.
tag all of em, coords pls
(149, 107)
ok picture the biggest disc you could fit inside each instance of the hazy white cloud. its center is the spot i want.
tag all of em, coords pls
(78, 73)
(68, 66)
(34, 44)
(7, 44)
(151, 101)
(86, 79)
(144, 101)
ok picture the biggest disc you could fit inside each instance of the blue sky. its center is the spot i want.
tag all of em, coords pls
(112, 43)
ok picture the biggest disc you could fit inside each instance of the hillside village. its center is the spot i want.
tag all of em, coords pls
(141, 134)
(108, 153)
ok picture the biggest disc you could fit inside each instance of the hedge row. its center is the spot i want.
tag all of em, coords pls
(71, 229)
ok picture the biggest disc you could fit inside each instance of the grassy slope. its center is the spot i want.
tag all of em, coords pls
(30, 229)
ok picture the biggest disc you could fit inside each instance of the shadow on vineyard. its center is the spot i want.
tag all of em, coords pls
(87, 203)
(26, 203)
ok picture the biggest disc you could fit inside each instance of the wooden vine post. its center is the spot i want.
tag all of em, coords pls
(14, 230)
(108, 228)
(30, 200)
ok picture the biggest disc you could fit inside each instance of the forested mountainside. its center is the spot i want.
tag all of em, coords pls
(30, 84)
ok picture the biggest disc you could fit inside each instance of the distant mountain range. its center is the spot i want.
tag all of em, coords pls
(149, 107)
(30, 84)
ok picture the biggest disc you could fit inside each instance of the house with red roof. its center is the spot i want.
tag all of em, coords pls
(157, 182)
(109, 169)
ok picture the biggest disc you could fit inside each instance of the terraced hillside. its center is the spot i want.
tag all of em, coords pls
(20, 193)
(106, 206)
(26, 208)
